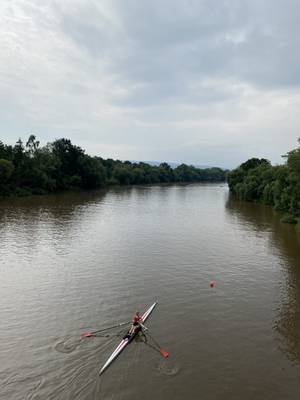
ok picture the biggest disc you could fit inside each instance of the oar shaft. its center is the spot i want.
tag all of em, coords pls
(89, 334)
(144, 328)
(110, 327)
(163, 352)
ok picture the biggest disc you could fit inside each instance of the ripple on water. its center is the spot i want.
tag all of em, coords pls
(67, 345)
(168, 367)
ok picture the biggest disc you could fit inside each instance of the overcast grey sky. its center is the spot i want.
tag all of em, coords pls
(207, 82)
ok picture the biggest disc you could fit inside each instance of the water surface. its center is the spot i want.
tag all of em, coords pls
(74, 262)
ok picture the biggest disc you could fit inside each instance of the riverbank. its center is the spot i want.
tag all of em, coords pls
(61, 166)
(278, 186)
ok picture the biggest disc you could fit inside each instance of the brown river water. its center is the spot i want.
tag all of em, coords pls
(80, 261)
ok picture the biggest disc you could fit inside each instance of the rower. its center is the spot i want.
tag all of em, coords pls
(136, 321)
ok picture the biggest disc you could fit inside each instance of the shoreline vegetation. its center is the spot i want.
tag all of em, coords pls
(278, 186)
(28, 169)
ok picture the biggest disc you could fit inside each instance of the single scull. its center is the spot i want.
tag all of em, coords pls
(126, 340)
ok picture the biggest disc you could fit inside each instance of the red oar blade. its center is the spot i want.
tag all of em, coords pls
(164, 353)
(86, 334)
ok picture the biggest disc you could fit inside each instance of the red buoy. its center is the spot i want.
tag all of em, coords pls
(212, 284)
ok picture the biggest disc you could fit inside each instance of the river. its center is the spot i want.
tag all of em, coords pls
(78, 261)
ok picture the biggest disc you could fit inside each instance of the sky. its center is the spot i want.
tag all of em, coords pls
(202, 82)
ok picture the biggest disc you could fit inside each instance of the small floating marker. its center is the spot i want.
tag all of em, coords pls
(212, 284)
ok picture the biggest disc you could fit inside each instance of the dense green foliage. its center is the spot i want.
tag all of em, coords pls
(278, 186)
(29, 168)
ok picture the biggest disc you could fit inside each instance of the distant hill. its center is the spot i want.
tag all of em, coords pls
(172, 164)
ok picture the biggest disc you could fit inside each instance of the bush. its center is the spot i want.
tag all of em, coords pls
(6, 170)
(22, 192)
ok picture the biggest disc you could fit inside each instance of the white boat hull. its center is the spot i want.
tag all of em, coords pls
(125, 341)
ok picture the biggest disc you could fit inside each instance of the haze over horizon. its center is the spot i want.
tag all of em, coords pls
(201, 82)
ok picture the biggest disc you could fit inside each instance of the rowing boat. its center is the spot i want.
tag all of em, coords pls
(126, 340)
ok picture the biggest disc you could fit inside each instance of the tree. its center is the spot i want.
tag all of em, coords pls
(293, 161)
(32, 145)
(6, 170)
(123, 175)
(6, 152)
(138, 176)
(18, 153)
(92, 172)
(68, 155)
(253, 163)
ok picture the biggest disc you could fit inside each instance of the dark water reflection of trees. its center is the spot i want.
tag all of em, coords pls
(38, 216)
(284, 238)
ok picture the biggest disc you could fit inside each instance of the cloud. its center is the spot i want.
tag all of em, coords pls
(210, 82)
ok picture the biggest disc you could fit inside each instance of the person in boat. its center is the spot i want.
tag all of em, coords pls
(136, 321)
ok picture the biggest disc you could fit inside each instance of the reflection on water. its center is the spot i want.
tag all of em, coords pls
(284, 241)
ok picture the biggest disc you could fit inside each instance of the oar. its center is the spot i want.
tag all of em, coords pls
(163, 352)
(144, 328)
(89, 334)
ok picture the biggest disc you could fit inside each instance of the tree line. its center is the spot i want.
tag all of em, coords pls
(28, 168)
(278, 186)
